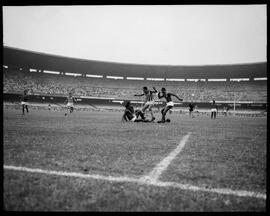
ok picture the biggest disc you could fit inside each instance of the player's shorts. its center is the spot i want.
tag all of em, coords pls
(134, 118)
(150, 103)
(214, 110)
(24, 103)
(70, 105)
(170, 104)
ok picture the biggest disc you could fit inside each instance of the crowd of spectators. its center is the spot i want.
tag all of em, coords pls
(51, 84)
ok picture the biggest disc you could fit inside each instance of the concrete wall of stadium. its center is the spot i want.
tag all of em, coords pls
(53, 99)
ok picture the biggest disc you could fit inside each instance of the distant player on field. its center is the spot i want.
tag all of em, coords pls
(149, 100)
(70, 100)
(24, 101)
(213, 110)
(191, 109)
(225, 110)
(169, 104)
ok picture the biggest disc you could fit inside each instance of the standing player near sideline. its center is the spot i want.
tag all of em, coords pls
(213, 109)
(191, 109)
(225, 110)
(24, 99)
(169, 104)
(70, 100)
(149, 100)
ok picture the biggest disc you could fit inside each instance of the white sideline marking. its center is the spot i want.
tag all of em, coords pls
(72, 174)
(241, 193)
(157, 171)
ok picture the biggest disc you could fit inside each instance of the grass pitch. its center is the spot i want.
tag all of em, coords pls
(229, 152)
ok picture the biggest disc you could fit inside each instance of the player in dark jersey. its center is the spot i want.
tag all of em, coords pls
(133, 115)
(70, 100)
(24, 101)
(130, 114)
(169, 102)
(213, 110)
(149, 100)
(191, 109)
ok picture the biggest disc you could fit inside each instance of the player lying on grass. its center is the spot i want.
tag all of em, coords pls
(24, 101)
(149, 100)
(133, 115)
(169, 103)
(70, 100)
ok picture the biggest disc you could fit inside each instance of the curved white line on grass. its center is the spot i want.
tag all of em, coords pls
(160, 167)
(124, 179)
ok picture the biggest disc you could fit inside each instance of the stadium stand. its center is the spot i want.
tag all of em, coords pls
(18, 64)
(15, 81)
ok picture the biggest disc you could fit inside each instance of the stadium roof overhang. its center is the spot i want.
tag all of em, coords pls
(29, 59)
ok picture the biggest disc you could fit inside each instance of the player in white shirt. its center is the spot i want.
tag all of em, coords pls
(149, 100)
(70, 100)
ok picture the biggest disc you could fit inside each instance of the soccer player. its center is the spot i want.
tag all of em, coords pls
(133, 115)
(169, 104)
(213, 109)
(70, 100)
(130, 114)
(149, 100)
(24, 99)
(42, 99)
(225, 110)
(191, 109)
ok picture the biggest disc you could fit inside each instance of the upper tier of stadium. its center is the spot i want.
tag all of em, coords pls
(28, 59)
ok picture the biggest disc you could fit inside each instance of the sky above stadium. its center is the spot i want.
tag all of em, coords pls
(163, 35)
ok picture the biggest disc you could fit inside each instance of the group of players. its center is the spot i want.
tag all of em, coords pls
(130, 114)
(70, 100)
(150, 96)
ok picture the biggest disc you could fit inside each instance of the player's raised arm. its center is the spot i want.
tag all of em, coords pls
(154, 90)
(177, 97)
(160, 95)
(139, 95)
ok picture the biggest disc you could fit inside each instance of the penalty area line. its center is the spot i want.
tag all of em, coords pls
(125, 179)
(163, 165)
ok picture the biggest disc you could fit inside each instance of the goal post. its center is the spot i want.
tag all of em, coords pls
(234, 104)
